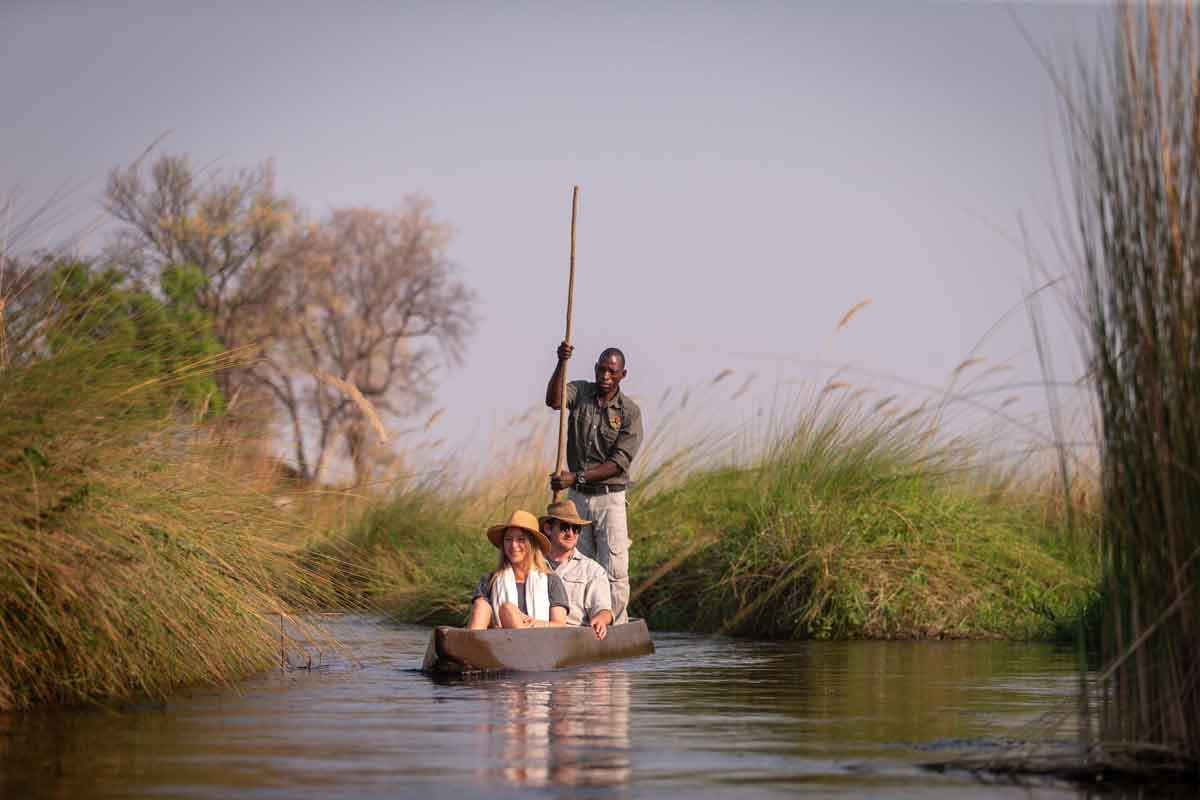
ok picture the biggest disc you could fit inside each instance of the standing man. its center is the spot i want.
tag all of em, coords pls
(589, 597)
(604, 432)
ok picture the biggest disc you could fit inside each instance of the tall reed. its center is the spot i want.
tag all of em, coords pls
(1134, 134)
(134, 554)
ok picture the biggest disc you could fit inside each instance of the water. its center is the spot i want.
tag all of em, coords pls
(702, 717)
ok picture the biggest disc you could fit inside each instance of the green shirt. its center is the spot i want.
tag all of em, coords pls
(601, 432)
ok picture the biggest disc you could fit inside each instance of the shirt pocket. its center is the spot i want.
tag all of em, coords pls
(608, 431)
(576, 587)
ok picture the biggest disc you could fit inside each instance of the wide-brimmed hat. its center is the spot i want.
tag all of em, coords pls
(526, 522)
(563, 511)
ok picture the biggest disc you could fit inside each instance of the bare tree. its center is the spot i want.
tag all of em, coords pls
(372, 304)
(354, 314)
(225, 224)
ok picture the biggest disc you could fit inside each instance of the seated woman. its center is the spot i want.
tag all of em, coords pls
(523, 592)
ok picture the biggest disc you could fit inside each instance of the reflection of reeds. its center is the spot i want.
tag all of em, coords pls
(1136, 165)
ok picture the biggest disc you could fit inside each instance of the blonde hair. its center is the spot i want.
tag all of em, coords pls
(534, 560)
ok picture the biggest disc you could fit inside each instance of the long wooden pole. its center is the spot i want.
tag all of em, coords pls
(562, 395)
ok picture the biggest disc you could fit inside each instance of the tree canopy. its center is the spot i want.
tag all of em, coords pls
(354, 314)
(163, 336)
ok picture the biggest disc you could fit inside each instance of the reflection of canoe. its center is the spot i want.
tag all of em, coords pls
(458, 650)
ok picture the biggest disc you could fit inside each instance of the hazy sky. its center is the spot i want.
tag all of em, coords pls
(749, 171)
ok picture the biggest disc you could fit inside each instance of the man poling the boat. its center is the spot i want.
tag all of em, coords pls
(604, 432)
(586, 582)
(523, 592)
(598, 441)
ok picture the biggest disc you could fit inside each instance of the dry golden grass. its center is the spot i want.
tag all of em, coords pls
(138, 552)
(849, 315)
(1134, 129)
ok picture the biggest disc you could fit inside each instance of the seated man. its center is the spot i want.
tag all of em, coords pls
(588, 595)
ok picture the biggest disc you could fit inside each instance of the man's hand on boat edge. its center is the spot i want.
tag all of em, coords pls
(600, 624)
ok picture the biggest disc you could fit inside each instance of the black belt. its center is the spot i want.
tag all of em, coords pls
(599, 488)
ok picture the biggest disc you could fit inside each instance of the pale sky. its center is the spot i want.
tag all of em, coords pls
(749, 171)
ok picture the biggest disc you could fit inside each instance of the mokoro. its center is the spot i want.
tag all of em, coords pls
(456, 651)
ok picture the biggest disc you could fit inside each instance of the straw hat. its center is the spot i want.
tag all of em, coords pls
(526, 522)
(563, 511)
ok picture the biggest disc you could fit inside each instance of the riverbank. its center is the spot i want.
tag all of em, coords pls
(844, 524)
(141, 552)
(144, 545)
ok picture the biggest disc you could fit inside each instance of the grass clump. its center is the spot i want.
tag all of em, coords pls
(417, 556)
(135, 556)
(852, 524)
(418, 553)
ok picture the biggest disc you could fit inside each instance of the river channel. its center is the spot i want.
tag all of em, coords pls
(704, 716)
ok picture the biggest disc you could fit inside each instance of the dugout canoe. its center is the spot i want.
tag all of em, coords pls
(458, 651)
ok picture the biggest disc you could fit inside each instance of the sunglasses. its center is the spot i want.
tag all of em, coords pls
(563, 526)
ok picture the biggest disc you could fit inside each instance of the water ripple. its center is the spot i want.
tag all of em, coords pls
(703, 716)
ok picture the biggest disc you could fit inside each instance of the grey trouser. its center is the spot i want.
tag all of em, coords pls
(607, 541)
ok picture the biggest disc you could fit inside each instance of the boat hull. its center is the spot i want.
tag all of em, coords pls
(458, 651)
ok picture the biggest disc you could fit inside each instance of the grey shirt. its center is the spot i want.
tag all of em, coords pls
(554, 588)
(587, 587)
(601, 432)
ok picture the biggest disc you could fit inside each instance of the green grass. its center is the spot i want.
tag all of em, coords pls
(899, 558)
(853, 525)
(845, 524)
(417, 556)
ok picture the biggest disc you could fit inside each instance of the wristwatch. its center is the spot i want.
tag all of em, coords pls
(579, 479)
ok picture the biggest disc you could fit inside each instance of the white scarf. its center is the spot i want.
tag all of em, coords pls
(537, 594)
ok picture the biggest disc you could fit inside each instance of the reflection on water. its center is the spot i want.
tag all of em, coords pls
(548, 732)
(701, 717)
